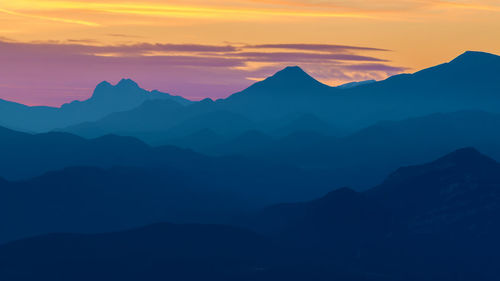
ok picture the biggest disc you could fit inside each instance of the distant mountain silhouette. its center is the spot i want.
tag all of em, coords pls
(466, 83)
(184, 184)
(105, 100)
(378, 149)
(288, 82)
(468, 78)
(149, 117)
(289, 91)
(355, 84)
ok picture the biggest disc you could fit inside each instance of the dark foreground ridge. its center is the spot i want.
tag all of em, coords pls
(435, 221)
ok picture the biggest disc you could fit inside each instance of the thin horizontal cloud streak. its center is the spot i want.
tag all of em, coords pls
(85, 46)
(375, 67)
(298, 57)
(75, 46)
(314, 47)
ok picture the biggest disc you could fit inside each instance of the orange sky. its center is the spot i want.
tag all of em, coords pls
(417, 33)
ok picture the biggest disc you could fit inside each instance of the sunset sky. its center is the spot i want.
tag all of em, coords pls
(53, 52)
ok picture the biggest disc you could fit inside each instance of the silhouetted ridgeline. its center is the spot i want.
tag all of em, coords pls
(374, 151)
(466, 83)
(106, 99)
(436, 221)
(120, 182)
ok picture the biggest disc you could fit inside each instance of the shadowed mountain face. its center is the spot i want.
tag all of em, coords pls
(87, 200)
(105, 100)
(163, 252)
(435, 221)
(454, 188)
(461, 189)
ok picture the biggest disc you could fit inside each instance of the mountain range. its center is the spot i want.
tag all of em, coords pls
(435, 221)
(270, 105)
(289, 179)
(105, 100)
(114, 182)
(375, 150)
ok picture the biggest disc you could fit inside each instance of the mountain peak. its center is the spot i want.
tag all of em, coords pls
(474, 57)
(464, 156)
(291, 79)
(464, 159)
(107, 91)
(292, 72)
(127, 83)
(104, 84)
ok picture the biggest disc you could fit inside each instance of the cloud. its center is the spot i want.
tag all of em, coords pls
(315, 47)
(83, 41)
(300, 57)
(123, 35)
(74, 46)
(376, 67)
(55, 72)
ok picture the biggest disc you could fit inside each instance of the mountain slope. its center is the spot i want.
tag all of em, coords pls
(466, 83)
(289, 91)
(435, 221)
(164, 252)
(87, 200)
(453, 188)
(112, 172)
(462, 186)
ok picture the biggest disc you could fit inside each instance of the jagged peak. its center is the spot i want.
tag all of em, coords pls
(104, 84)
(126, 82)
(104, 88)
